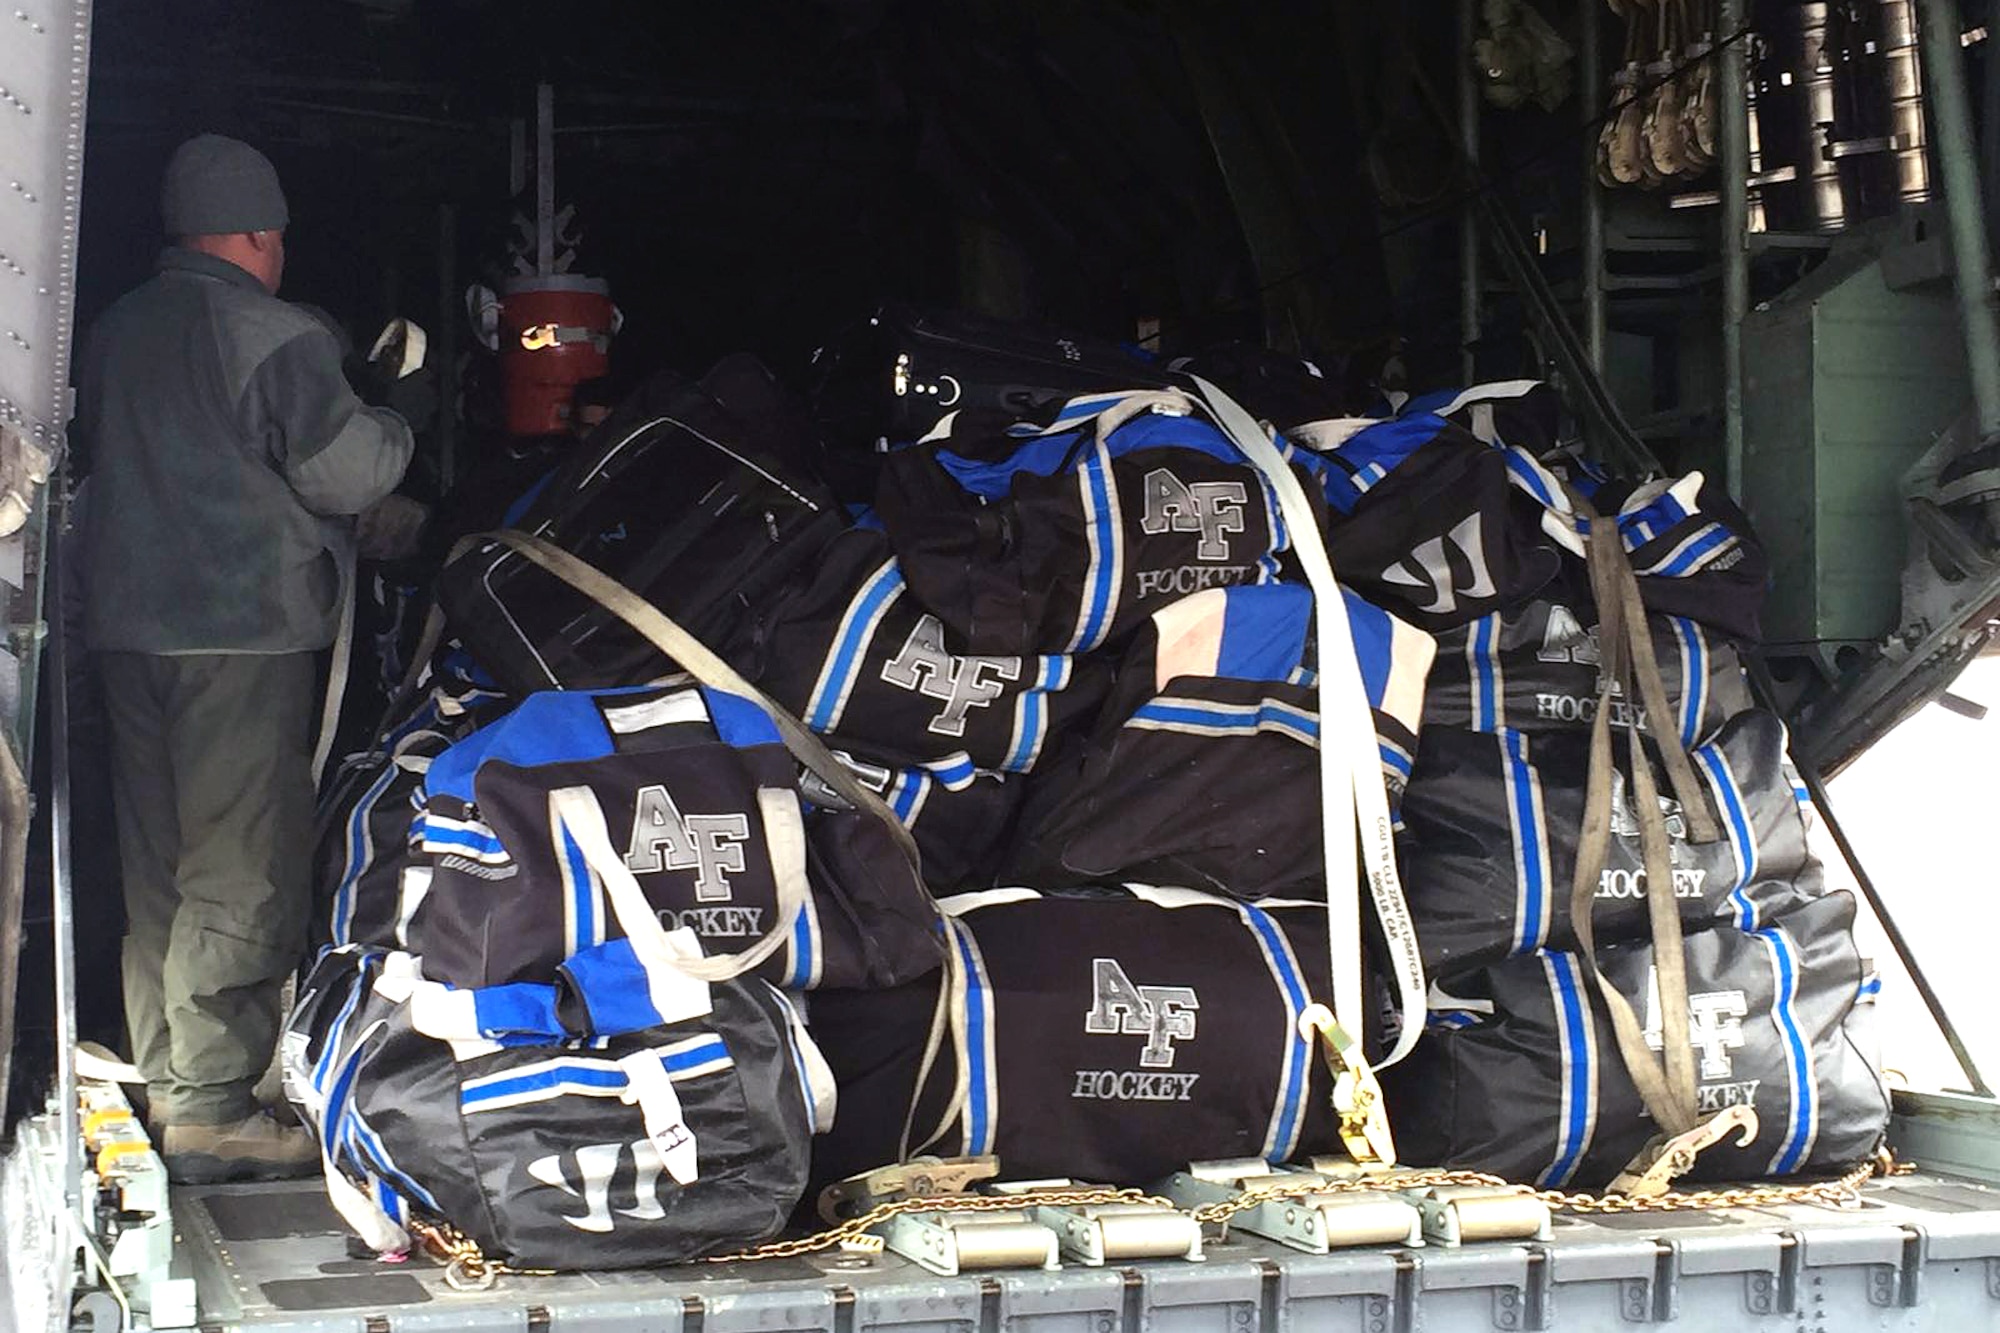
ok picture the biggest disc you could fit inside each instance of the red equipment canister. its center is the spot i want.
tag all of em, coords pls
(555, 333)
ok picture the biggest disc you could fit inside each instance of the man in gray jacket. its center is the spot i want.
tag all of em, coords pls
(228, 458)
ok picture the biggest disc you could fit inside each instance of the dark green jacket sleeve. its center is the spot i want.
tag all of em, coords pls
(339, 455)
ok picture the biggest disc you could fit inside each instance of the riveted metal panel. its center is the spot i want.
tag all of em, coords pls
(44, 68)
(1215, 1297)
(804, 1309)
(1089, 1301)
(923, 1304)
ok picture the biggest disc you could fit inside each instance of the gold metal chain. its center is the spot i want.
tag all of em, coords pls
(1842, 1190)
(467, 1268)
(1212, 1214)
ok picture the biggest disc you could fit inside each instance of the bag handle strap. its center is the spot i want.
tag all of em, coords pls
(1666, 1085)
(575, 810)
(948, 1023)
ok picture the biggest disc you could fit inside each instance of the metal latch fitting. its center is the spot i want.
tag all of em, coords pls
(1098, 1234)
(1108, 1231)
(918, 1178)
(1456, 1214)
(949, 1243)
(1298, 1209)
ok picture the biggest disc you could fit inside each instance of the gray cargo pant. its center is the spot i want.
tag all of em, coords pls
(212, 786)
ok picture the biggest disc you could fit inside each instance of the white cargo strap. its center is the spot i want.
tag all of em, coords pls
(651, 1088)
(1354, 803)
(664, 957)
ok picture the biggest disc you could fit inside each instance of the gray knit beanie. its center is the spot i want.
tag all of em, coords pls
(215, 186)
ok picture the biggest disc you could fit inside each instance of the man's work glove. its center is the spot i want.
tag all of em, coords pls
(397, 377)
(414, 398)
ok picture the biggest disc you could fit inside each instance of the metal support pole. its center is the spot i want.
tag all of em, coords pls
(545, 179)
(62, 914)
(1468, 219)
(1733, 98)
(450, 312)
(1938, 29)
(1590, 87)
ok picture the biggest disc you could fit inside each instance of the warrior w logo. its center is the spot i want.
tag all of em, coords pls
(1438, 562)
(1212, 508)
(1161, 1014)
(665, 839)
(963, 683)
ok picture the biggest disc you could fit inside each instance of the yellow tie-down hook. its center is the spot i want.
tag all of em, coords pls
(1357, 1096)
(1664, 1160)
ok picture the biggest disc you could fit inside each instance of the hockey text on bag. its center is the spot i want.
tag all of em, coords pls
(1565, 642)
(1212, 508)
(1431, 566)
(963, 683)
(715, 923)
(665, 839)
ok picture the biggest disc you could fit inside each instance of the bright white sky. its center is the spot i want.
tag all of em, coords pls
(1920, 808)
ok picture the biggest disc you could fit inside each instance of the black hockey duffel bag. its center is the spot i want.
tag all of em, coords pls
(863, 661)
(362, 894)
(1534, 668)
(1520, 414)
(1426, 519)
(1111, 1037)
(702, 784)
(1520, 1072)
(1204, 769)
(686, 795)
(1063, 534)
(1491, 823)
(592, 1135)
(888, 380)
(700, 509)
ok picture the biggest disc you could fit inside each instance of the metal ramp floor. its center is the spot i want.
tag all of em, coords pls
(1916, 1252)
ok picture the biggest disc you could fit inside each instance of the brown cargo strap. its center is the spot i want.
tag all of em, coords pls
(1666, 1084)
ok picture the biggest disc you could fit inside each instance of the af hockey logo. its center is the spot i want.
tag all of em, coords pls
(1565, 642)
(962, 683)
(1162, 1015)
(1212, 508)
(1620, 882)
(1435, 566)
(1625, 816)
(665, 839)
(1715, 1028)
(1564, 639)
